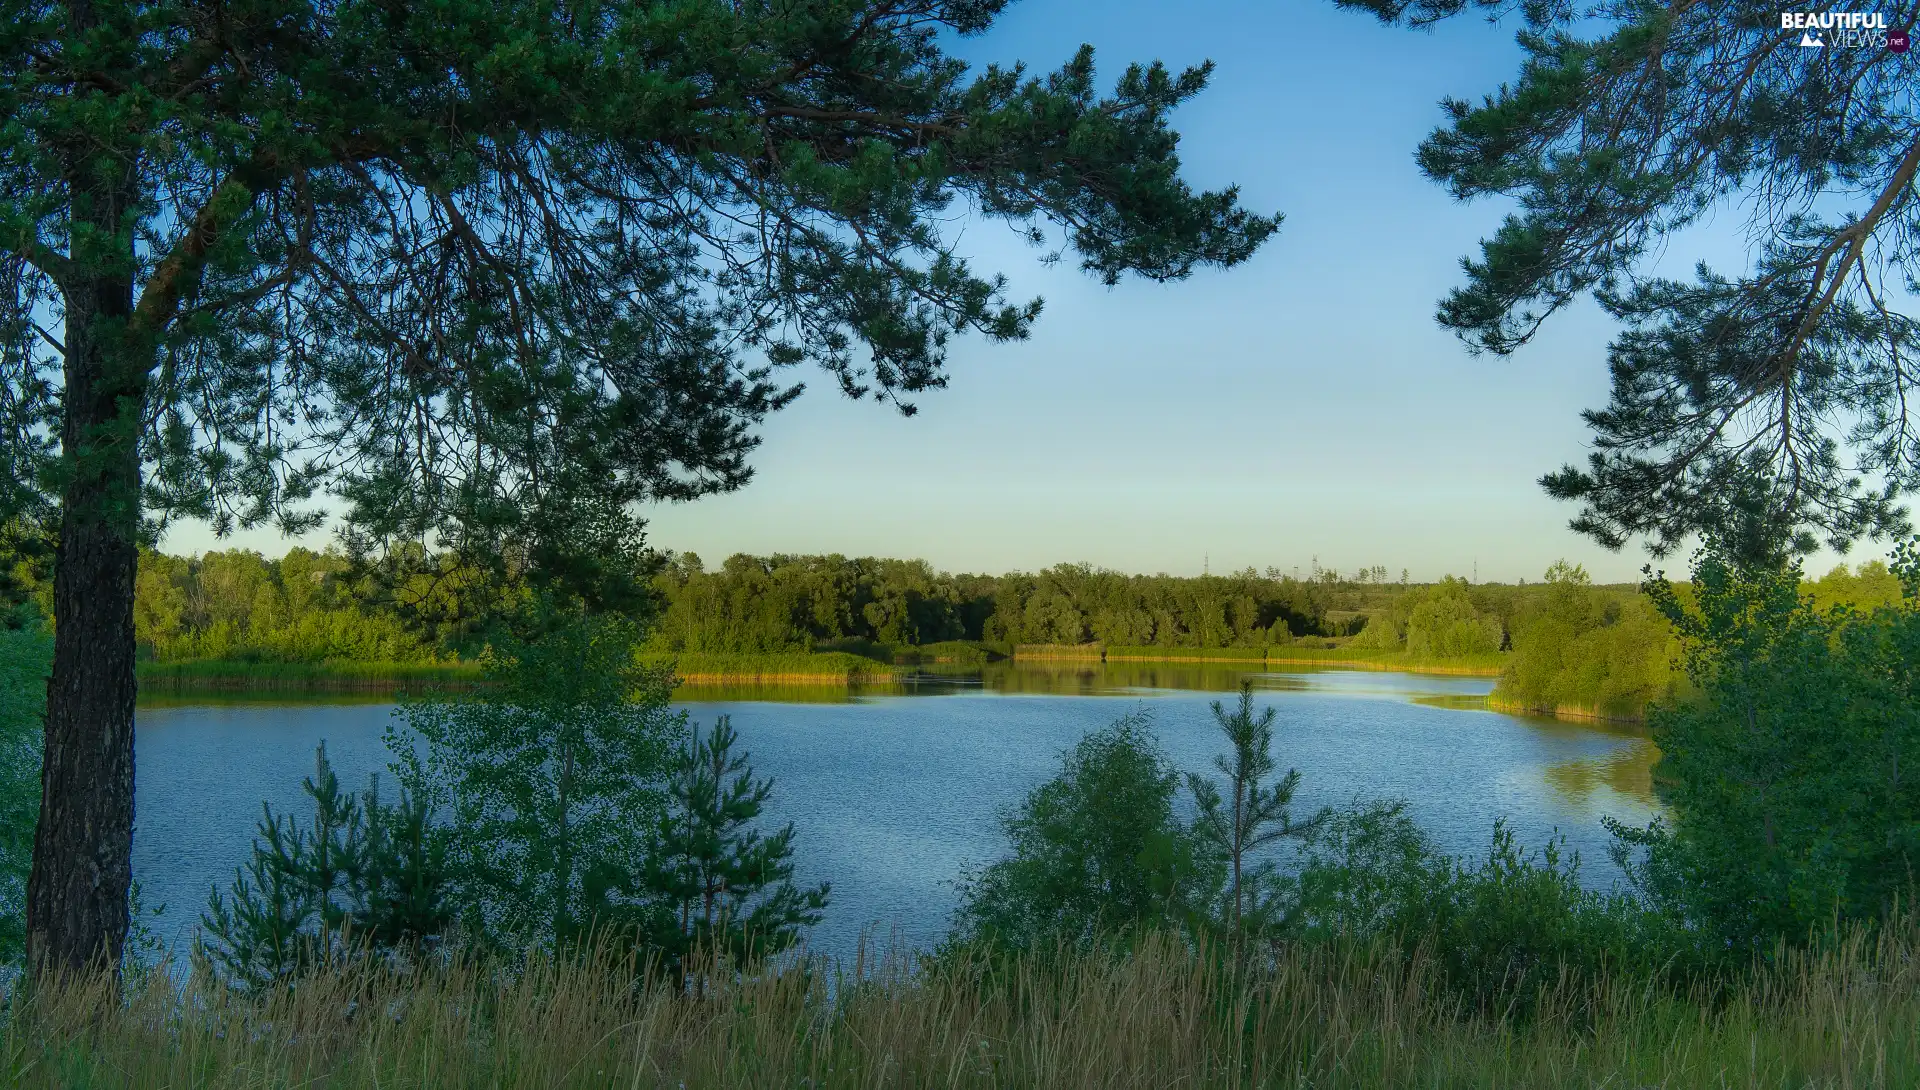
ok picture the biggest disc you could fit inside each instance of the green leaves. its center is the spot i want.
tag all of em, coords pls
(1096, 850)
(1243, 826)
(548, 783)
(25, 655)
(1788, 778)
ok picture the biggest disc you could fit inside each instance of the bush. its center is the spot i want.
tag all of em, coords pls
(367, 878)
(1583, 648)
(548, 784)
(1793, 805)
(1497, 931)
(1097, 848)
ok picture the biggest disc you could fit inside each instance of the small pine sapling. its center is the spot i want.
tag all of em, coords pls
(725, 890)
(367, 878)
(1251, 817)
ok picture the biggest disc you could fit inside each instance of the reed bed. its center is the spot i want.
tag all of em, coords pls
(241, 675)
(1093, 651)
(796, 667)
(1160, 1016)
(1250, 655)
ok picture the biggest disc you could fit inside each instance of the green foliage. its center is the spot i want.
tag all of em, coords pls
(549, 782)
(1444, 624)
(1096, 849)
(1244, 826)
(1792, 803)
(305, 607)
(1499, 930)
(1380, 634)
(366, 878)
(1618, 134)
(26, 654)
(246, 673)
(783, 603)
(1579, 648)
(720, 888)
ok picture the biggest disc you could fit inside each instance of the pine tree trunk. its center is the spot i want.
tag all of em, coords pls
(82, 850)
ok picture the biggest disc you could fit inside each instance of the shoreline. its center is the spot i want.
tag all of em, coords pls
(1573, 713)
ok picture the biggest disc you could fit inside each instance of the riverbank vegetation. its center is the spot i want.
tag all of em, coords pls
(591, 906)
(1560, 646)
(568, 888)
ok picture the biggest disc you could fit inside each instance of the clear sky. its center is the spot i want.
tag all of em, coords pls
(1302, 405)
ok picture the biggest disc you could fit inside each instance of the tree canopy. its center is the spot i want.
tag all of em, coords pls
(490, 269)
(1768, 402)
(488, 275)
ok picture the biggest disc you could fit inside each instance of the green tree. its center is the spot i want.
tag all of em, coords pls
(1792, 803)
(366, 878)
(1245, 824)
(548, 783)
(491, 274)
(1578, 646)
(720, 887)
(26, 654)
(1097, 848)
(1445, 624)
(1770, 404)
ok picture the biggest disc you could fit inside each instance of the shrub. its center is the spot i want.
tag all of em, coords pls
(1096, 848)
(1793, 805)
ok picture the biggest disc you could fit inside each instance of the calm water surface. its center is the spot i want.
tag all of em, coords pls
(895, 793)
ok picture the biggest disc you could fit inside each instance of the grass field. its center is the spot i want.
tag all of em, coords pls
(1317, 1016)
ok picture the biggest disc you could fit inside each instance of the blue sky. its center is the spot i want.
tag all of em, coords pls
(1302, 405)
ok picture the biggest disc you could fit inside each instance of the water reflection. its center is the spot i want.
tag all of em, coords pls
(1626, 772)
(895, 795)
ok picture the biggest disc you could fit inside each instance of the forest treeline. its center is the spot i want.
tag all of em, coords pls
(1574, 647)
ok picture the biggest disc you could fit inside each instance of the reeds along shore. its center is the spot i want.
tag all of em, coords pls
(1314, 1016)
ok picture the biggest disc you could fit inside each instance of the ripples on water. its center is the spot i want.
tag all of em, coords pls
(896, 790)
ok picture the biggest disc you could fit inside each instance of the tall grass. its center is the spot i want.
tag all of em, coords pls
(217, 674)
(1480, 665)
(1186, 654)
(1092, 651)
(1159, 1016)
(836, 667)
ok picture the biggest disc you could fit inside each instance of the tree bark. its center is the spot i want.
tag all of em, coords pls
(82, 850)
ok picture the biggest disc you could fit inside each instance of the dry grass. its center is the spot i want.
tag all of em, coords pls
(1848, 1017)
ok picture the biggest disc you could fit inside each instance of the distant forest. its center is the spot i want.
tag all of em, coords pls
(306, 606)
(1571, 645)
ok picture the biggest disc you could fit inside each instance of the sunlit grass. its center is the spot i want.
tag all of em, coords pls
(1318, 1016)
(216, 674)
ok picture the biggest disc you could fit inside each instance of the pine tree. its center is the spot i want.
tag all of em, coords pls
(366, 878)
(492, 274)
(1251, 817)
(1771, 406)
(725, 890)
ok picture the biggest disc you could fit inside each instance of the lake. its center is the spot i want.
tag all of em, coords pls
(894, 793)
